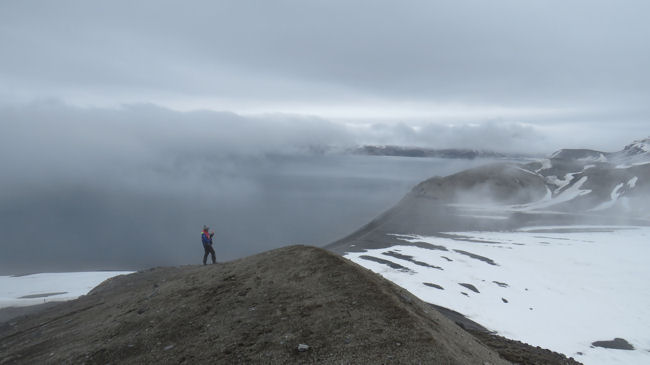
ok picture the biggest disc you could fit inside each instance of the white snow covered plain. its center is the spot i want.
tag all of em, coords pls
(20, 291)
(561, 288)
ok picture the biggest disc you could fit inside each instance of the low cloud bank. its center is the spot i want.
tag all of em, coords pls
(126, 188)
(489, 136)
(60, 142)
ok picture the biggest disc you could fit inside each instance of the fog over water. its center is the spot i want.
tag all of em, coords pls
(129, 189)
(265, 203)
(125, 126)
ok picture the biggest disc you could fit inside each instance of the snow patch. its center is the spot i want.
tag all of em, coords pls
(498, 217)
(546, 164)
(601, 158)
(530, 172)
(632, 183)
(20, 291)
(616, 193)
(568, 194)
(561, 183)
(632, 164)
(641, 146)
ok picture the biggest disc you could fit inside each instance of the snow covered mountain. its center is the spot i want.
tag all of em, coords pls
(591, 181)
(551, 252)
(569, 187)
(635, 152)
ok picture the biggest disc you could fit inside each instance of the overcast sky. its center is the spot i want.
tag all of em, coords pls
(127, 125)
(570, 73)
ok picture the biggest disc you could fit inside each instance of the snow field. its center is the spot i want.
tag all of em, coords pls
(565, 289)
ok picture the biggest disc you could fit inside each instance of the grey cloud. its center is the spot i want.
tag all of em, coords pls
(48, 137)
(128, 188)
(490, 135)
(87, 188)
(503, 52)
(133, 172)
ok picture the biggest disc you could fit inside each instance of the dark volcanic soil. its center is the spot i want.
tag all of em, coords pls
(520, 353)
(254, 310)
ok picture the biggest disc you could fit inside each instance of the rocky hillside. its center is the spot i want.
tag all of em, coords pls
(502, 183)
(292, 305)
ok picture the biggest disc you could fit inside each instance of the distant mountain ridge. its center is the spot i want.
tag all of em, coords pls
(459, 153)
(570, 180)
(637, 151)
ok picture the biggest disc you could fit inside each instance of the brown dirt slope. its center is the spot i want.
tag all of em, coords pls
(253, 310)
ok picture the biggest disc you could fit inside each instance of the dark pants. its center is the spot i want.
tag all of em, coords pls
(208, 250)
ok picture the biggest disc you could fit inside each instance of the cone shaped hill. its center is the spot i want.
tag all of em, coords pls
(254, 310)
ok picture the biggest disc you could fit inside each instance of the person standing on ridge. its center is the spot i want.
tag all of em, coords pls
(206, 238)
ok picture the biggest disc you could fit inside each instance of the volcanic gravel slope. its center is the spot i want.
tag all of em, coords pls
(253, 310)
